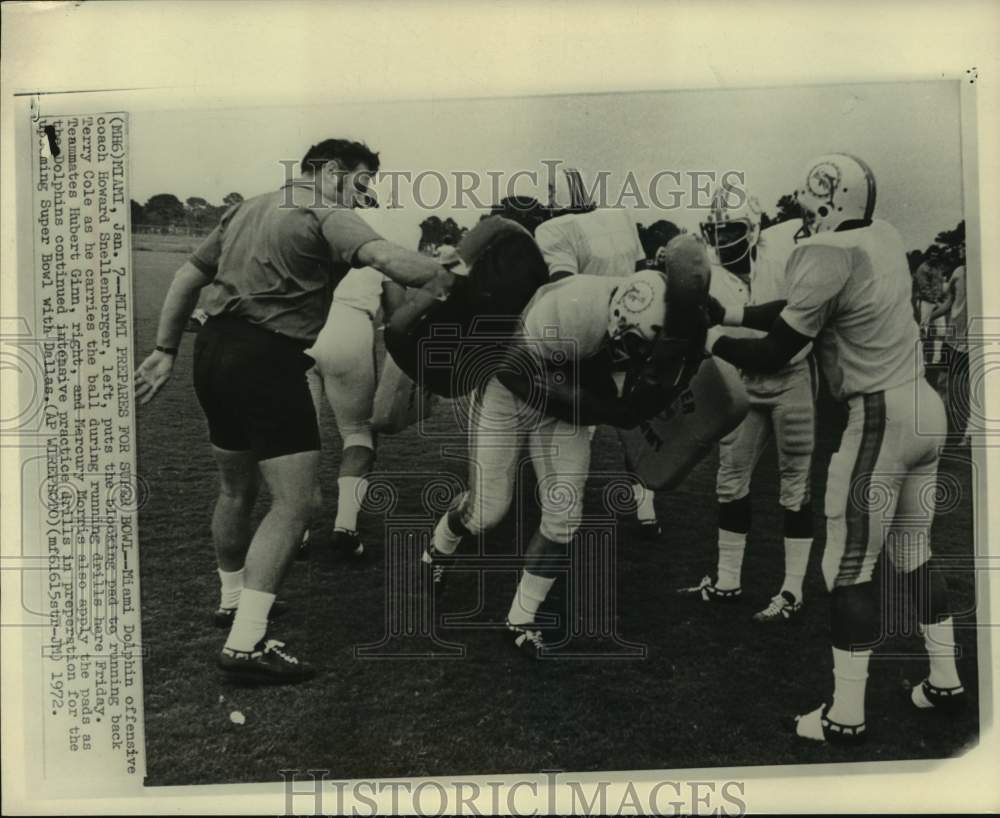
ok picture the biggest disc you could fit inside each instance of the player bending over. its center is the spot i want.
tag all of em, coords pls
(558, 381)
(751, 270)
(601, 242)
(849, 292)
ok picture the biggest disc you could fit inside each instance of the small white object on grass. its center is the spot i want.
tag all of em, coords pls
(236, 717)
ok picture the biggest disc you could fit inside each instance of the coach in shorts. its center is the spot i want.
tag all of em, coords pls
(272, 263)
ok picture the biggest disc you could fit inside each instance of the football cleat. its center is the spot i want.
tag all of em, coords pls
(709, 593)
(269, 663)
(526, 639)
(223, 617)
(782, 608)
(435, 565)
(926, 697)
(347, 543)
(818, 727)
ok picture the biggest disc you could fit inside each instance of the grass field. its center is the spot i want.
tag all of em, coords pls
(709, 692)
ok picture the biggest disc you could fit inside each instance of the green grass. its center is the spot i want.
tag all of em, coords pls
(710, 692)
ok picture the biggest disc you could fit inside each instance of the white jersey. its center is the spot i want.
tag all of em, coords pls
(767, 279)
(851, 292)
(568, 319)
(603, 242)
(361, 288)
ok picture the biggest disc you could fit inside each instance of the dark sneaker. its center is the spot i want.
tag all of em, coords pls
(927, 698)
(436, 567)
(347, 543)
(817, 726)
(782, 608)
(526, 638)
(649, 529)
(223, 617)
(707, 592)
(269, 663)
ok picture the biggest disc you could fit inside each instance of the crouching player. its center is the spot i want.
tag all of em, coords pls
(557, 381)
(751, 270)
(849, 291)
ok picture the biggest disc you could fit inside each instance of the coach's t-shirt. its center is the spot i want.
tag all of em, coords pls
(851, 292)
(275, 259)
(568, 319)
(603, 242)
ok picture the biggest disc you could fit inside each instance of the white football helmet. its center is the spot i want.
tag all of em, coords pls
(734, 218)
(836, 188)
(637, 314)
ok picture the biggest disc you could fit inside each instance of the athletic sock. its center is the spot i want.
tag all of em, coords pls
(732, 544)
(530, 594)
(850, 677)
(350, 493)
(232, 584)
(939, 639)
(250, 622)
(644, 508)
(796, 560)
(445, 540)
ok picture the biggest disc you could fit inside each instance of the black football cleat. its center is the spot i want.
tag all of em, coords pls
(649, 529)
(223, 617)
(436, 568)
(269, 663)
(347, 544)
(526, 639)
(782, 608)
(707, 592)
(817, 726)
(926, 698)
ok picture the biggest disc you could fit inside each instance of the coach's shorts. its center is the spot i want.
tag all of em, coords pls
(251, 384)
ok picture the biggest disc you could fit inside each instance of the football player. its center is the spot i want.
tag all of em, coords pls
(558, 380)
(603, 242)
(849, 293)
(344, 352)
(751, 270)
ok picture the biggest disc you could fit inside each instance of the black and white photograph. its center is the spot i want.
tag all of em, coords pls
(464, 452)
(507, 436)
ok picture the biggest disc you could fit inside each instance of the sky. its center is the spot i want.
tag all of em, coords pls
(909, 133)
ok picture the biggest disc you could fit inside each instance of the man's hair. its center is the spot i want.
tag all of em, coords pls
(349, 154)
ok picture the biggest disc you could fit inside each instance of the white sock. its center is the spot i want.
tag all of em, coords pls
(939, 639)
(796, 559)
(850, 677)
(250, 623)
(644, 509)
(232, 584)
(350, 493)
(530, 594)
(732, 544)
(445, 540)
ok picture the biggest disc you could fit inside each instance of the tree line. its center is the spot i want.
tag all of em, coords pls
(167, 213)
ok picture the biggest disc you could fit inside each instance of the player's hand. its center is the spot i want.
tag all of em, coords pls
(714, 311)
(152, 374)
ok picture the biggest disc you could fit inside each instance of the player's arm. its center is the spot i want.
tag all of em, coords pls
(560, 256)
(181, 299)
(393, 297)
(943, 307)
(816, 275)
(753, 316)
